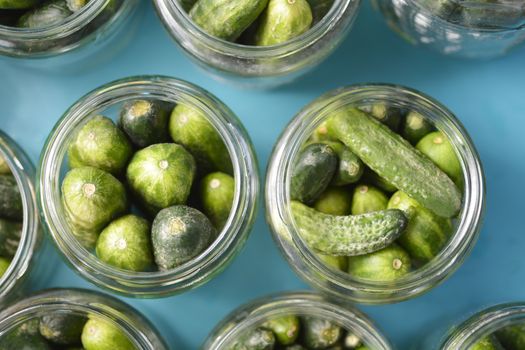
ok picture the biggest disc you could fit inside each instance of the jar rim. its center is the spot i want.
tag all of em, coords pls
(342, 284)
(222, 250)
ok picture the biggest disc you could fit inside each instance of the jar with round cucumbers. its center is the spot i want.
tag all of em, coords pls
(73, 319)
(148, 186)
(375, 193)
(473, 29)
(69, 35)
(258, 43)
(296, 321)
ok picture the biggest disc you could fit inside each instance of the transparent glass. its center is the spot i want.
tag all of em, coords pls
(212, 260)
(258, 66)
(418, 24)
(84, 303)
(253, 314)
(338, 283)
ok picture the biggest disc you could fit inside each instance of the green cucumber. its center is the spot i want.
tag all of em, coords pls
(334, 201)
(99, 334)
(370, 177)
(11, 206)
(487, 343)
(145, 122)
(350, 168)
(17, 4)
(512, 337)
(438, 148)
(76, 5)
(10, 233)
(426, 233)
(161, 175)
(100, 144)
(348, 235)
(4, 167)
(258, 339)
(313, 171)
(416, 127)
(337, 262)
(352, 341)
(321, 134)
(320, 8)
(62, 328)
(398, 162)
(282, 21)
(384, 265)
(4, 265)
(48, 14)
(179, 234)
(190, 128)
(320, 333)
(125, 243)
(226, 19)
(363, 347)
(389, 115)
(217, 194)
(286, 328)
(367, 199)
(24, 337)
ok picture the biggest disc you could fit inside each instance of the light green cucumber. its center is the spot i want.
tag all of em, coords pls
(395, 160)
(99, 334)
(11, 206)
(319, 333)
(416, 127)
(4, 167)
(4, 265)
(487, 343)
(145, 122)
(337, 262)
(17, 4)
(367, 199)
(286, 328)
(334, 201)
(348, 235)
(438, 148)
(512, 337)
(217, 194)
(45, 15)
(10, 233)
(384, 265)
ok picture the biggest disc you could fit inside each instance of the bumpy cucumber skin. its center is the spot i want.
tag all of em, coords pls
(512, 337)
(415, 127)
(162, 174)
(98, 334)
(258, 339)
(372, 178)
(4, 265)
(4, 167)
(11, 206)
(286, 328)
(48, 14)
(145, 122)
(487, 343)
(438, 148)
(348, 235)
(10, 233)
(190, 128)
(367, 199)
(334, 201)
(17, 4)
(283, 20)
(320, 333)
(398, 162)
(313, 171)
(226, 19)
(217, 194)
(426, 233)
(62, 329)
(384, 265)
(125, 243)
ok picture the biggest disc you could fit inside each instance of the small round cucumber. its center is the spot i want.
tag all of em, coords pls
(4, 167)
(367, 199)
(11, 206)
(48, 14)
(99, 334)
(337, 262)
(100, 144)
(258, 339)
(385, 265)
(438, 148)
(125, 243)
(4, 265)
(162, 174)
(179, 234)
(217, 192)
(145, 122)
(334, 201)
(190, 128)
(320, 333)
(61, 328)
(17, 4)
(76, 5)
(283, 20)
(389, 115)
(416, 127)
(314, 169)
(487, 343)
(286, 328)
(350, 168)
(512, 337)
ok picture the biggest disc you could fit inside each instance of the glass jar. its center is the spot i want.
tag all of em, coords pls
(212, 260)
(86, 38)
(84, 303)
(253, 314)
(339, 283)
(418, 24)
(259, 66)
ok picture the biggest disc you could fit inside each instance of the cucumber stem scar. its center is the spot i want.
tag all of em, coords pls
(438, 140)
(215, 183)
(177, 226)
(397, 264)
(89, 189)
(163, 164)
(363, 189)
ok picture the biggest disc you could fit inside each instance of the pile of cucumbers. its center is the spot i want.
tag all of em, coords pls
(11, 215)
(152, 192)
(374, 191)
(256, 22)
(507, 338)
(66, 331)
(293, 332)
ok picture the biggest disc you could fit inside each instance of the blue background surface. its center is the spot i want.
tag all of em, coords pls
(488, 97)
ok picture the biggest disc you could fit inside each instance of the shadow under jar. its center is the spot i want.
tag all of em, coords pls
(290, 317)
(375, 272)
(471, 29)
(69, 317)
(228, 241)
(259, 66)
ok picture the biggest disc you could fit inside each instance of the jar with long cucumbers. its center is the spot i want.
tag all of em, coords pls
(375, 193)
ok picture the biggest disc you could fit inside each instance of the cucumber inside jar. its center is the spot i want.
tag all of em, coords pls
(147, 193)
(510, 337)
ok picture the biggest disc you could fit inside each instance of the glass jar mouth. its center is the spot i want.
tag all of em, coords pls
(236, 229)
(342, 284)
(23, 172)
(254, 313)
(170, 10)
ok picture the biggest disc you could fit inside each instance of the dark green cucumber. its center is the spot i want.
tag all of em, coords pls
(24, 337)
(367, 199)
(398, 162)
(512, 337)
(350, 168)
(320, 333)
(187, 4)
(9, 18)
(258, 339)
(286, 328)
(10, 233)
(48, 14)
(62, 328)
(226, 19)
(11, 206)
(334, 201)
(487, 343)
(4, 167)
(313, 171)
(145, 122)
(384, 265)
(17, 4)
(348, 235)
(217, 194)
(389, 115)
(438, 148)
(99, 334)
(320, 8)
(4, 265)
(372, 178)
(179, 234)
(416, 127)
